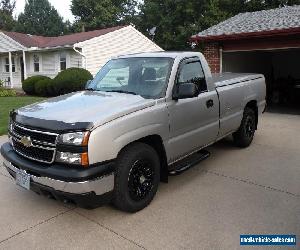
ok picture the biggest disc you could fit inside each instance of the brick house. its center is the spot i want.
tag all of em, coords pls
(266, 42)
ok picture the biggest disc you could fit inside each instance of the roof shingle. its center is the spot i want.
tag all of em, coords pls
(260, 21)
(50, 42)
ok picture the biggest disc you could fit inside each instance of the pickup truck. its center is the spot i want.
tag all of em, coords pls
(142, 118)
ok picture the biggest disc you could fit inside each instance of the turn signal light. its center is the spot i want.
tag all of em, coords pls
(85, 160)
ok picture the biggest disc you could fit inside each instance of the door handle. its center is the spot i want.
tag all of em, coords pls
(209, 103)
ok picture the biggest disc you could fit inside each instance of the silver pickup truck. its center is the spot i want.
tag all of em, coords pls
(142, 118)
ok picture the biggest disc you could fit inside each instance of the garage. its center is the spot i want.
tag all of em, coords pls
(281, 69)
(266, 42)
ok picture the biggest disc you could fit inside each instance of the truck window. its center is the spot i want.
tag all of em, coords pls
(147, 77)
(193, 72)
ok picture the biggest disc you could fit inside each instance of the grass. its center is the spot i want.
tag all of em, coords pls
(9, 103)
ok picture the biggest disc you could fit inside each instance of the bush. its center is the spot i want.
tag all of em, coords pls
(44, 87)
(7, 92)
(28, 85)
(70, 80)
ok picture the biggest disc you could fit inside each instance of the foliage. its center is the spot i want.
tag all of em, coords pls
(44, 87)
(9, 103)
(28, 85)
(6, 14)
(70, 80)
(7, 92)
(40, 18)
(96, 14)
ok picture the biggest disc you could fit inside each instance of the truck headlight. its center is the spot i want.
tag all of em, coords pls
(73, 158)
(76, 138)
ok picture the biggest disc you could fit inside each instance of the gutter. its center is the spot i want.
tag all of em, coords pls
(80, 53)
(246, 35)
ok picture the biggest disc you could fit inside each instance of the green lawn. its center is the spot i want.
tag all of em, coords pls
(9, 103)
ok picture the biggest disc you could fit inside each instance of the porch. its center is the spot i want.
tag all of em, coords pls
(13, 69)
(12, 62)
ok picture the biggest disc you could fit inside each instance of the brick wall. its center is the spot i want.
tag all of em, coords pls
(212, 55)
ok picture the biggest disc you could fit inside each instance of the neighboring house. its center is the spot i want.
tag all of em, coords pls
(265, 42)
(24, 55)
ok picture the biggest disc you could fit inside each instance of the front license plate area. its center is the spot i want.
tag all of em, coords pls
(23, 179)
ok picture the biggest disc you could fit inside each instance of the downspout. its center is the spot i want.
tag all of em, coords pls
(221, 59)
(83, 55)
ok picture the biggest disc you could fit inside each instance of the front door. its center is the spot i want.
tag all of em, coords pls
(194, 122)
(22, 68)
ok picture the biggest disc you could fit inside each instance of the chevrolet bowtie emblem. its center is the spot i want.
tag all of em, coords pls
(26, 141)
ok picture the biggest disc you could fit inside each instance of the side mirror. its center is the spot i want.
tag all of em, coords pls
(88, 84)
(186, 90)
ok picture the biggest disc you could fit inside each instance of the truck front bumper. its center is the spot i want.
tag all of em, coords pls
(87, 188)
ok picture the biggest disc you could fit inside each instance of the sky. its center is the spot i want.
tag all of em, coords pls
(62, 6)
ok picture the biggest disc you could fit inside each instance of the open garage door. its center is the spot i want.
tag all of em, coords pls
(281, 68)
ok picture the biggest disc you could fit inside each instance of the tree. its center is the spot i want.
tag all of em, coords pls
(94, 14)
(6, 14)
(40, 18)
(177, 20)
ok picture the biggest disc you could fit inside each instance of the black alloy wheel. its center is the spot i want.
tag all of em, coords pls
(140, 180)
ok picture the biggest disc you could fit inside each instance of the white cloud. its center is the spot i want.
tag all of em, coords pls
(62, 6)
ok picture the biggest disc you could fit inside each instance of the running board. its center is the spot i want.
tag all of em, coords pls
(188, 162)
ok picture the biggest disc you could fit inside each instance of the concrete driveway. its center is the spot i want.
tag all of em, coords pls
(236, 191)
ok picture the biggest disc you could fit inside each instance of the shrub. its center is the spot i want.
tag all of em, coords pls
(28, 85)
(7, 92)
(50, 88)
(70, 80)
(42, 87)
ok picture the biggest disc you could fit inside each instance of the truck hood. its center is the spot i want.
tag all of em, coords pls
(81, 109)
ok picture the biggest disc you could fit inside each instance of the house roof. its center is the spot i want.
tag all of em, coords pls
(60, 41)
(273, 21)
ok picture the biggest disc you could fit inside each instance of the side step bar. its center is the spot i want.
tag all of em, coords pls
(188, 162)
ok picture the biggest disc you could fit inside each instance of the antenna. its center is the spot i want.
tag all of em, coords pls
(152, 32)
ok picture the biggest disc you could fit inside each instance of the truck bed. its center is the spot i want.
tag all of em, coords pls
(235, 91)
(224, 79)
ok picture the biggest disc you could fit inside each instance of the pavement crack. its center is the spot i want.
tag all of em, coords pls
(36, 225)
(4, 175)
(112, 231)
(247, 181)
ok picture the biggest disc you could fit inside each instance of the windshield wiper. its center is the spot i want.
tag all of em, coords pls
(90, 89)
(122, 91)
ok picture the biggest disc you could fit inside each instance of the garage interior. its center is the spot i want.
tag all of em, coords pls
(281, 68)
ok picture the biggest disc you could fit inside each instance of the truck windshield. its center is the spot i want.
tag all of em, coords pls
(147, 77)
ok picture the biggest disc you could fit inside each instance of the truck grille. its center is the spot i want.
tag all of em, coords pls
(41, 144)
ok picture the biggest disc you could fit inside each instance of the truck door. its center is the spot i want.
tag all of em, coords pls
(194, 122)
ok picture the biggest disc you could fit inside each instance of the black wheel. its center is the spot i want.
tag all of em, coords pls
(244, 136)
(137, 177)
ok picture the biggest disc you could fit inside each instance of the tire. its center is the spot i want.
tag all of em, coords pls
(137, 177)
(245, 134)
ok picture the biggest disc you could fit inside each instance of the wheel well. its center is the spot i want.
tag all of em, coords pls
(156, 142)
(253, 105)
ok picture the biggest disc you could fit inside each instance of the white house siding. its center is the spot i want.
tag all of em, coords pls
(50, 62)
(127, 40)
(8, 44)
(75, 60)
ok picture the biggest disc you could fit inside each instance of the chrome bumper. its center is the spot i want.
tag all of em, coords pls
(100, 185)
